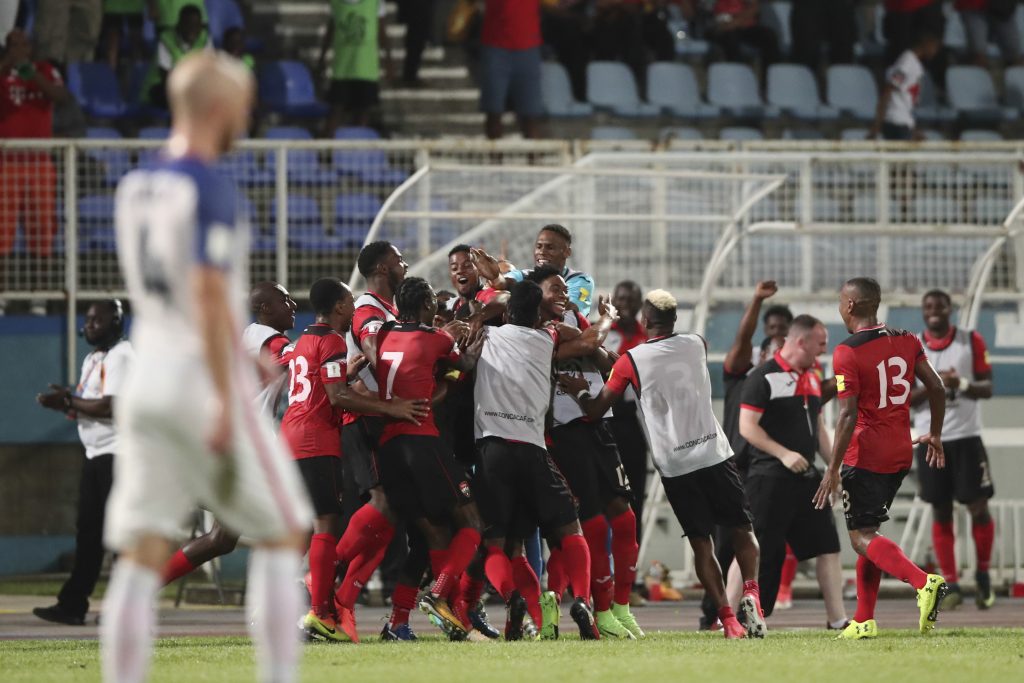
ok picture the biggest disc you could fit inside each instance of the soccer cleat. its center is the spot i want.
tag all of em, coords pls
(954, 598)
(323, 628)
(784, 600)
(436, 607)
(59, 615)
(584, 618)
(984, 596)
(752, 616)
(551, 614)
(733, 629)
(628, 621)
(346, 622)
(929, 601)
(398, 633)
(830, 627)
(707, 623)
(478, 619)
(515, 612)
(859, 631)
(610, 627)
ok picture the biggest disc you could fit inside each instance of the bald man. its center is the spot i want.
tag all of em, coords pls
(190, 430)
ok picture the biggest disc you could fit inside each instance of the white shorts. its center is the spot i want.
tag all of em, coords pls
(164, 468)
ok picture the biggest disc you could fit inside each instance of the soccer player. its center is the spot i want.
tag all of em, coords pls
(961, 359)
(780, 418)
(264, 339)
(188, 426)
(670, 377)
(516, 482)
(875, 368)
(104, 373)
(585, 452)
(318, 391)
(420, 477)
(474, 303)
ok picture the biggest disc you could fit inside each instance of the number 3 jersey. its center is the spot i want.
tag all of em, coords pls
(311, 424)
(877, 366)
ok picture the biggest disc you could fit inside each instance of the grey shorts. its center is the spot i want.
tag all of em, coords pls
(510, 79)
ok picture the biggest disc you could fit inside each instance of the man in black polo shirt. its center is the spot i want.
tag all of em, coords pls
(780, 417)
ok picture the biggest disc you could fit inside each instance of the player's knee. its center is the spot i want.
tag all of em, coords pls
(979, 512)
(943, 512)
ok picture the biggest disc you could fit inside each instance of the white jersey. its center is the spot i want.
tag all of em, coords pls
(565, 409)
(103, 374)
(352, 343)
(670, 376)
(963, 351)
(254, 338)
(904, 77)
(512, 392)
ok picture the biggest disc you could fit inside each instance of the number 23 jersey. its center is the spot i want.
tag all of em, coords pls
(311, 423)
(876, 365)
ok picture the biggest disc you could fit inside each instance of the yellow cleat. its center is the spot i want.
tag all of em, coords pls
(929, 601)
(859, 631)
(325, 628)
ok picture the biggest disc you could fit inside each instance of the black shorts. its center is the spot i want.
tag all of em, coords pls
(784, 513)
(708, 497)
(358, 442)
(322, 475)
(518, 488)
(966, 476)
(867, 495)
(587, 457)
(353, 93)
(455, 420)
(421, 478)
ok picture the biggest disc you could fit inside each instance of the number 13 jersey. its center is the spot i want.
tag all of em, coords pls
(876, 365)
(311, 424)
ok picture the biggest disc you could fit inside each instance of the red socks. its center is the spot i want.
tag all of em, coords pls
(179, 565)
(789, 566)
(868, 578)
(595, 531)
(472, 589)
(402, 602)
(944, 544)
(461, 551)
(528, 586)
(368, 527)
(984, 536)
(624, 551)
(576, 558)
(556, 573)
(358, 573)
(322, 561)
(499, 572)
(888, 557)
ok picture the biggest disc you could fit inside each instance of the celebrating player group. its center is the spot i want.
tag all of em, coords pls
(471, 424)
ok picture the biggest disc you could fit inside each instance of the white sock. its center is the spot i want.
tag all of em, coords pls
(273, 607)
(129, 619)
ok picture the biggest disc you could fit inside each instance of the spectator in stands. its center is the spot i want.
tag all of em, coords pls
(903, 18)
(166, 12)
(418, 17)
(510, 65)
(983, 18)
(28, 179)
(894, 118)
(234, 45)
(189, 35)
(564, 27)
(735, 25)
(634, 32)
(67, 30)
(357, 33)
(117, 14)
(816, 22)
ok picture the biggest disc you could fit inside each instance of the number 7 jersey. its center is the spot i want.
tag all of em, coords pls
(876, 365)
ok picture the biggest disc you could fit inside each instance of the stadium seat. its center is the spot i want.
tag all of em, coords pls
(851, 89)
(369, 165)
(679, 28)
(792, 88)
(1013, 84)
(154, 133)
(612, 133)
(114, 162)
(222, 15)
(304, 167)
(286, 87)
(980, 135)
(556, 92)
(287, 133)
(929, 109)
(740, 133)
(245, 168)
(733, 88)
(973, 95)
(356, 133)
(802, 134)
(95, 86)
(305, 224)
(611, 86)
(96, 224)
(673, 87)
(955, 35)
(679, 133)
(853, 134)
(353, 215)
(775, 15)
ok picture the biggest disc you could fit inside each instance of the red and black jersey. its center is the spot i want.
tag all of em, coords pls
(620, 341)
(407, 359)
(877, 365)
(484, 295)
(311, 424)
(371, 312)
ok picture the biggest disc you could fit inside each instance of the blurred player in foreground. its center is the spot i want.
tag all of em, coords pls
(190, 430)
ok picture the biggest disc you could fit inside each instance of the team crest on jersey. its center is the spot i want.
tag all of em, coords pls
(464, 488)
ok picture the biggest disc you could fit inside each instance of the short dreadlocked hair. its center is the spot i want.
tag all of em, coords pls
(410, 297)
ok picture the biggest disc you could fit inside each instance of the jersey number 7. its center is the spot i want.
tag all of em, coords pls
(395, 359)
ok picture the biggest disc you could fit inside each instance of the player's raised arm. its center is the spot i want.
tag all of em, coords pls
(936, 393)
(739, 354)
(623, 374)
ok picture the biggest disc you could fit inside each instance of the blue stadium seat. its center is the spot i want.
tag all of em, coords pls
(154, 133)
(286, 87)
(673, 87)
(95, 86)
(246, 169)
(611, 86)
(304, 167)
(740, 133)
(775, 15)
(287, 133)
(556, 92)
(853, 134)
(96, 224)
(222, 15)
(369, 165)
(802, 134)
(851, 89)
(973, 95)
(356, 133)
(612, 133)
(733, 87)
(115, 162)
(305, 224)
(353, 215)
(929, 109)
(679, 133)
(792, 88)
(1013, 83)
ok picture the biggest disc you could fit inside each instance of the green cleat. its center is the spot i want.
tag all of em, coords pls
(551, 614)
(859, 631)
(929, 601)
(323, 628)
(610, 627)
(984, 596)
(627, 619)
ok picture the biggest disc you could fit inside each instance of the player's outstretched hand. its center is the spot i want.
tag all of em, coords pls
(355, 366)
(54, 399)
(935, 457)
(605, 307)
(829, 485)
(766, 289)
(571, 384)
(488, 266)
(458, 329)
(794, 462)
(409, 410)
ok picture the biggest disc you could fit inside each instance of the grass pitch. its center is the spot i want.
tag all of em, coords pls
(948, 655)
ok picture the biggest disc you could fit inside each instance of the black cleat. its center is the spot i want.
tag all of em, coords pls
(584, 618)
(478, 618)
(516, 612)
(59, 615)
(984, 597)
